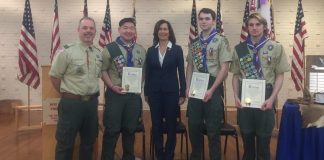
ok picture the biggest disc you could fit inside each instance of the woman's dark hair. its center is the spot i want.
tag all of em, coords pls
(156, 31)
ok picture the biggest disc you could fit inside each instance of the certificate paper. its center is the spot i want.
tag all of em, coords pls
(199, 84)
(132, 80)
(253, 93)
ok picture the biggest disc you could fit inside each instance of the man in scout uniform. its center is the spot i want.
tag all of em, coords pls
(212, 57)
(258, 58)
(122, 110)
(75, 73)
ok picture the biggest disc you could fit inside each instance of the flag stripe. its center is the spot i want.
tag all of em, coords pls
(56, 40)
(105, 35)
(219, 21)
(244, 32)
(193, 31)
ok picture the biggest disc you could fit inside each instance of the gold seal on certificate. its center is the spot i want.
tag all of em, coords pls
(132, 80)
(253, 93)
(198, 85)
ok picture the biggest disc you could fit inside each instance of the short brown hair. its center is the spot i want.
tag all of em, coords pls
(208, 11)
(260, 18)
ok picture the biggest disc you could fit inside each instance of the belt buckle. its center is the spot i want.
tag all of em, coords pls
(85, 98)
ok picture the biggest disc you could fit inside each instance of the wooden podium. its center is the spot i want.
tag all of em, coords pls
(48, 131)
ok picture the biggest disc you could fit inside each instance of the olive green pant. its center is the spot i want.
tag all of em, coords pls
(256, 128)
(76, 116)
(211, 113)
(121, 115)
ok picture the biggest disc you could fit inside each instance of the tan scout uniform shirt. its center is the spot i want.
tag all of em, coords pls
(109, 65)
(218, 52)
(273, 61)
(78, 71)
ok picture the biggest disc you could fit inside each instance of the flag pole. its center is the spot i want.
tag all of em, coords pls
(303, 85)
(28, 106)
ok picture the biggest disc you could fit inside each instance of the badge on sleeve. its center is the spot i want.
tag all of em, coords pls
(270, 47)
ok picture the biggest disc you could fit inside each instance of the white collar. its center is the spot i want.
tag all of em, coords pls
(169, 45)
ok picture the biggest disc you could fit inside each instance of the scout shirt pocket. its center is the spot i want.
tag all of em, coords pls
(98, 67)
(268, 60)
(138, 58)
(212, 56)
(78, 67)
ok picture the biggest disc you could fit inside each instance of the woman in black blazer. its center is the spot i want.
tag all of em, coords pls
(164, 71)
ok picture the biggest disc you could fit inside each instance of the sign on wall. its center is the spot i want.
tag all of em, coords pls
(50, 115)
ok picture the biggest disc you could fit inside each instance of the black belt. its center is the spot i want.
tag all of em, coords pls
(79, 97)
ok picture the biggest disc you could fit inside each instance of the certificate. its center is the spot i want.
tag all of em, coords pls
(253, 93)
(198, 85)
(132, 80)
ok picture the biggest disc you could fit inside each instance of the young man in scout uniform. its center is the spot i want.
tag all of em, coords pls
(258, 58)
(122, 110)
(75, 73)
(213, 59)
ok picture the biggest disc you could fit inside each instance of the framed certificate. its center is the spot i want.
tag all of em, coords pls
(198, 85)
(132, 80)
(253, 93)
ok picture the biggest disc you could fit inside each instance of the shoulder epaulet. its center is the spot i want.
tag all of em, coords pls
(220, 35)
(67, 46)
(139, 45)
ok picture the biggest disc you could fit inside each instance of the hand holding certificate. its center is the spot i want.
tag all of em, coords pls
(132, 80)
(198, 85)
(253, 93)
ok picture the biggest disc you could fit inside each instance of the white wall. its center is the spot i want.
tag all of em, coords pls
(178, 12)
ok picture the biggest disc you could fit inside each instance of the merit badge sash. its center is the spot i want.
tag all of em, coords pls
(197, 54)
(117, 57)
(248, 69)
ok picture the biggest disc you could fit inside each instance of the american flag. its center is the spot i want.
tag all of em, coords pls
(85, 9)
(253, 7)
(193, 32)
(272, 34)
(297, 70)
(219, 22)
(244, 31)
(27, 51)
(105, 35)
(56, 41)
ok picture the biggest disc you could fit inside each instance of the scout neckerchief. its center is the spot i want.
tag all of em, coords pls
(256, 48)
(204, 43)
(129, 49)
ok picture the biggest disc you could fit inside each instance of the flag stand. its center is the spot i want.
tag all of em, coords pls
(29, 108)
